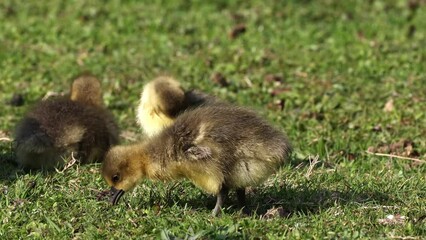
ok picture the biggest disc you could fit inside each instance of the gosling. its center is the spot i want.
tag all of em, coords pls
(217, 147)
(55, 128)
(162, 100)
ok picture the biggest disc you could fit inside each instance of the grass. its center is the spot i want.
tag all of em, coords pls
(337, 64)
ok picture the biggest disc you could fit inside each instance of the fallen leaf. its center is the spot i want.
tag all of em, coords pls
(389, 107)
(403, 147)
(273, 78)
(219, 79)
(237, 31)
(397, 146)
(301, 74)
(371, 149)
(274, 212)
(377, 128)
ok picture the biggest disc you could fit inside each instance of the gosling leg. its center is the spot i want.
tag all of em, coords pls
(241, 197)
(220, 198)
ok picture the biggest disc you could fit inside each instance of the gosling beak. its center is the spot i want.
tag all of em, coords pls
(115, 195)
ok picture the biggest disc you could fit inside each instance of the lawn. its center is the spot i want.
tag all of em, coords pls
(343, 79)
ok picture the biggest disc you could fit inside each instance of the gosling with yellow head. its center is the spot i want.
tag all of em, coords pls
(162, 100)
(217, 147)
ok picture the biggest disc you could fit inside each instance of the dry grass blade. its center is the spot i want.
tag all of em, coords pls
(403, 238)
(69, 164)
(396, 156)
(50, 94)
(312, 162)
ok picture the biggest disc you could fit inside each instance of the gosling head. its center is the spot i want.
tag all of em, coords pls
(122, 170)
(87, 89)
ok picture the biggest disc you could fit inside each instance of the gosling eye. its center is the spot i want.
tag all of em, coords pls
(115, 178)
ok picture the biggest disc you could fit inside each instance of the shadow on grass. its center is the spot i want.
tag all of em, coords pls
(310, 201)
(290, 200)
(308, 197)
(8, 168)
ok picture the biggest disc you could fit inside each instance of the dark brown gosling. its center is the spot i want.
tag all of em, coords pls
(162, 100)
(54, 128)
(218, 148)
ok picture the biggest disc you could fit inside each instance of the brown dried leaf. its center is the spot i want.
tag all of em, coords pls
(219, 79)
(397, 146)
(237, 31)
(301, 74)
(371, 149)
(377, 128)
(272, 213)
(273, 78)
(403, 147)
(389, 107)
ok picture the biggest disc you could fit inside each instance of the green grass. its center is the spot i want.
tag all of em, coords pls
(339, 61)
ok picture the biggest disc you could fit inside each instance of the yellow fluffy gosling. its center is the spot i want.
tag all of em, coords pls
(217, 147)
